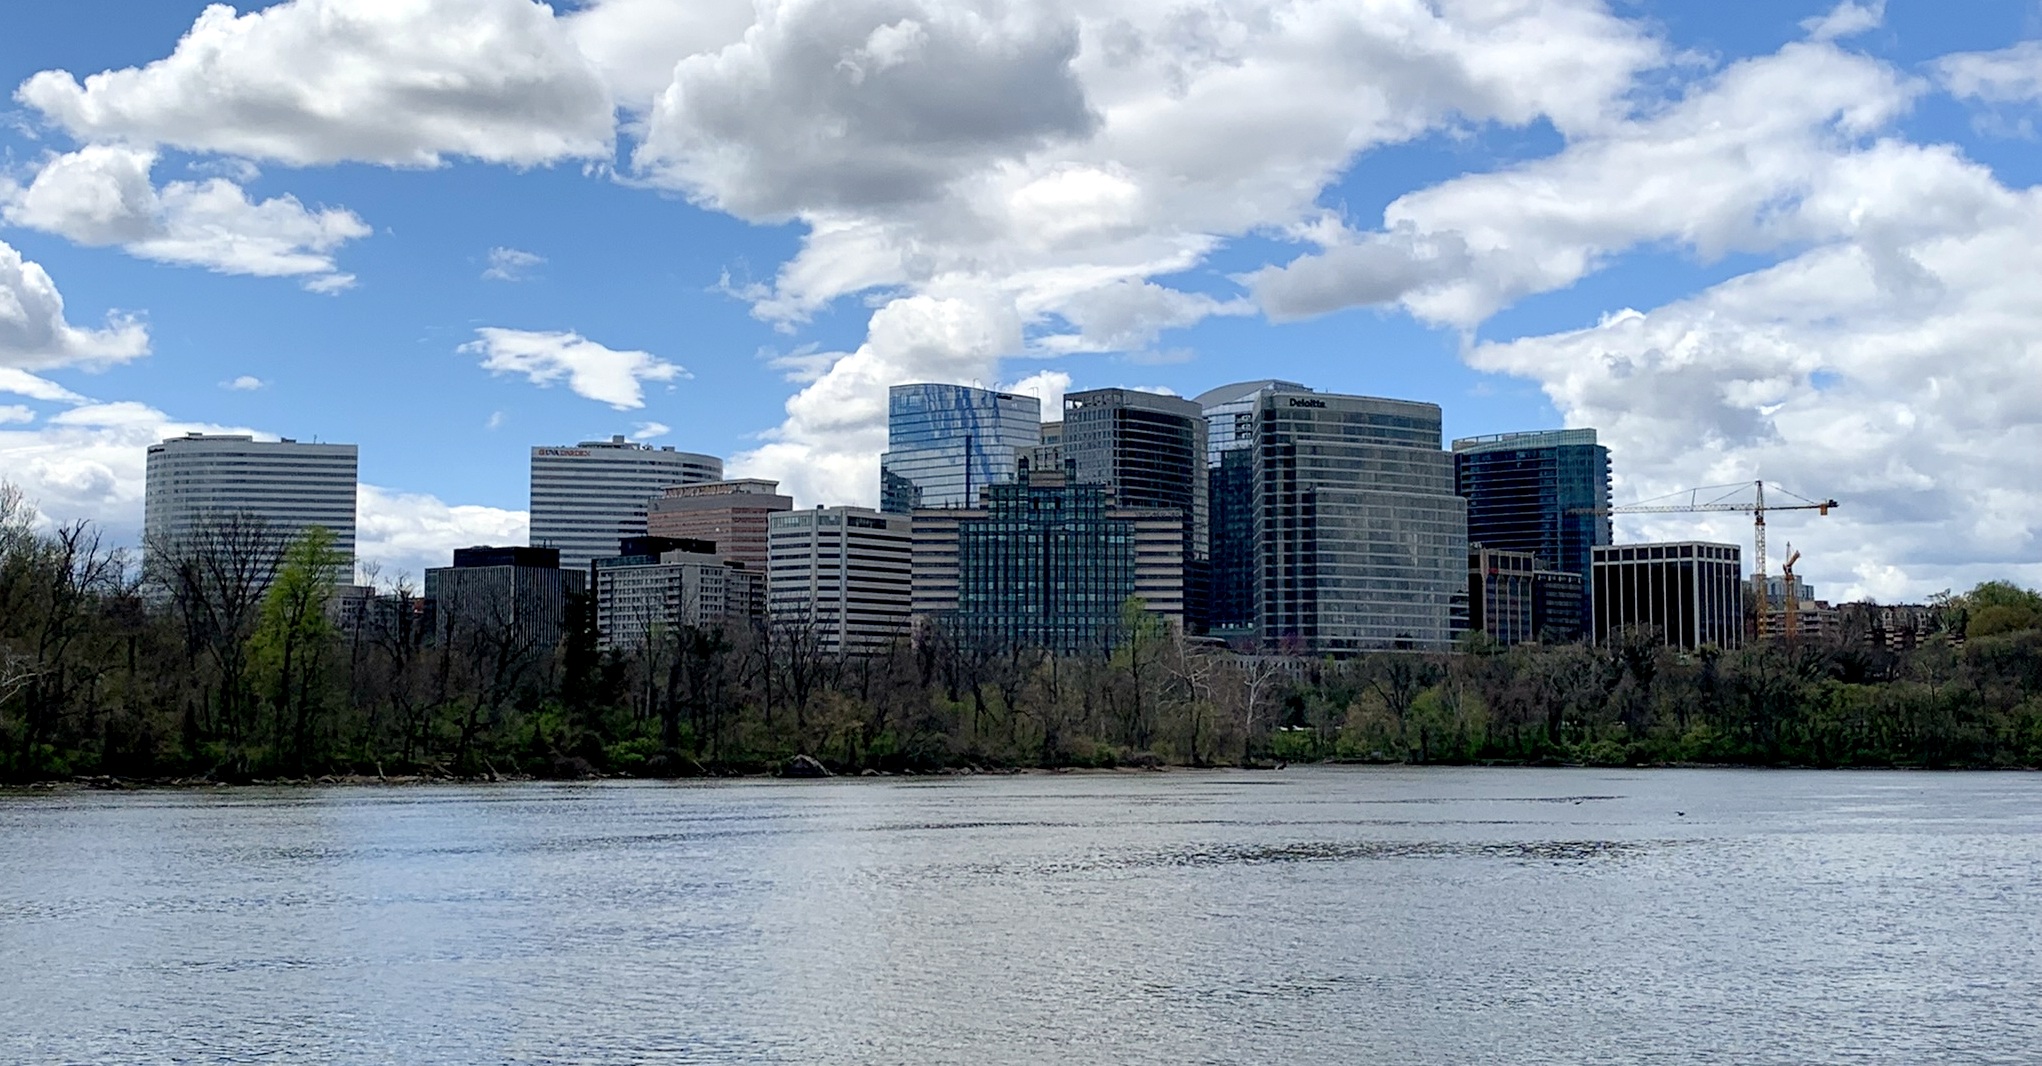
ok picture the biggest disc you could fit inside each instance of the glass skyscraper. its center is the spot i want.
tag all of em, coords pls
(1229, 456)
(1360, 542)
(1522, 491)
(946, 443)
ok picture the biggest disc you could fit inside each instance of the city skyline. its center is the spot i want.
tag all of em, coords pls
(388, 282)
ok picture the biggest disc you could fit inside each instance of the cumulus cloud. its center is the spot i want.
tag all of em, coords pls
(636, 43)
(1846, 19)
(1896, 369)
(325, 81)
(35, 334)
(244, 383)
(511, 264)
(404, 533)
(649, 430)
(1740, 164)
(2009, 75)
(14, 412)
(102, 194)
(603, 374)
(1145, 136)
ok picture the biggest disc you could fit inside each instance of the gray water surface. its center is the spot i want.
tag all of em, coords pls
(1307, 916)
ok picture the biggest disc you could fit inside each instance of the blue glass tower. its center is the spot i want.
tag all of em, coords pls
(1522, 491)
(947, 443)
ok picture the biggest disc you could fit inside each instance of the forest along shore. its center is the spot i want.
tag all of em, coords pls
(228, 666)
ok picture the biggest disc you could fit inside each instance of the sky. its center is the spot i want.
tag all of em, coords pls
(1794, 240)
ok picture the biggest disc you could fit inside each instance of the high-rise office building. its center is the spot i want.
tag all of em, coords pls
(1229, 411)
(841, 576)
(1150, 450)
(1047, 563)
(729, 514)
(517, 592)
(1525, 492)
(287, 485)
(947, 443)
(588, 497)
(1360, 542)
(1691, 593)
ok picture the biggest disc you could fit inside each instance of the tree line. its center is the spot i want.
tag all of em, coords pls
(223, 657)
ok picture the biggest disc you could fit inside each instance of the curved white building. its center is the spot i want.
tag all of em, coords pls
(587, 497)
(288, 484)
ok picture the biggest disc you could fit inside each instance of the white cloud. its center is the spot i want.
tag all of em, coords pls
(1740, 164)
(635, 43)
(1044, 164)
(613, 377)
(14, 412)
(511, 264)
(35, 334)
(649, 430)
(102, 194)
(496, 420)
(1048, 386)
(22, 383)
(1847, 19)
(405, 532)
(324, 81)
(244, 383)
(2008, 75)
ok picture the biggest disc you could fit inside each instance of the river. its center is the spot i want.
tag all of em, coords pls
(1312, 915)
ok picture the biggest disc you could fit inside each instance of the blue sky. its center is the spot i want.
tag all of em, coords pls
(1742, 238)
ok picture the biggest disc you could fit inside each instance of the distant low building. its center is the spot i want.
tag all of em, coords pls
(661, 585)
(1691, 593)
(1500, 594)
(519, 591)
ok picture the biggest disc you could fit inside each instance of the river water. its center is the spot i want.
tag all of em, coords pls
(1304, 916)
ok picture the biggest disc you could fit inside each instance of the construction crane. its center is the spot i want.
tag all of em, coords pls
(1792, 598)
(1702, 500)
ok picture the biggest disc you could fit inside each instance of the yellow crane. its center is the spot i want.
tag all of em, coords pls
(1730, 498)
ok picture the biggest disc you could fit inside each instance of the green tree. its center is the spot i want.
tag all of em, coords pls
(294, 639)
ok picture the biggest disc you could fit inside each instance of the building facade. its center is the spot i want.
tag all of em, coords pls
(1501, 595)
(1360, 540)
(1229, 411)
(1149, 450)
(660, 585)
(287, 486)
(1524, 492)
(729, 514)
(947, 443)
(1691, 593)
(841, 576)
(519, 592)
(588, 497)
(1046, 563)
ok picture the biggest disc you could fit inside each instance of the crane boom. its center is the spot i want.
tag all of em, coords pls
(1756, 507)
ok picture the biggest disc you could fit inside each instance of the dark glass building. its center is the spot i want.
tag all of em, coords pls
(1522, 491)
(1150, 451)
(1360, 542)
(947, 443)
(1046, 564)
(1229, 603)
(1691, 594)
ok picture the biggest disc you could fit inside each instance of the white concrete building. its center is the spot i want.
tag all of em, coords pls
(289, 485)
(588, 497)
(638, 598)
(843, 573)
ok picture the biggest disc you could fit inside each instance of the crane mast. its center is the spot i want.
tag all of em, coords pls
(1756, 508)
